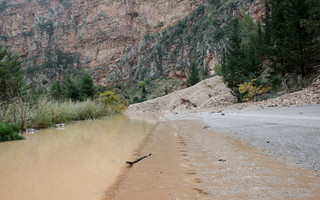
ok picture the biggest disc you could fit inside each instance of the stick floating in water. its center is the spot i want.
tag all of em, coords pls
(137, 160)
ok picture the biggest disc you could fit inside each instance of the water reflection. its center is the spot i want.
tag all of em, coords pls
(78, 162)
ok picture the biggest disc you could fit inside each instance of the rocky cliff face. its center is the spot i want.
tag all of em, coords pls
(115, 40)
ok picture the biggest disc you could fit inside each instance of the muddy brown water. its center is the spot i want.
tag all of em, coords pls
(77, 163)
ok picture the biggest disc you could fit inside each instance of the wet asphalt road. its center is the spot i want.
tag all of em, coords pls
(291, 133)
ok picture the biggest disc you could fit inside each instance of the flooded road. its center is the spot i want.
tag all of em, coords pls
(77, 163)
(191, 162)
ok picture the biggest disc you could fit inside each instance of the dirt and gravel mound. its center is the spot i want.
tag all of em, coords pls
(213, 95)
(209, 93)
(309, 95)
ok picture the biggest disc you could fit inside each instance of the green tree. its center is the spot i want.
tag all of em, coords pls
(142, 85)
(240, 62)
(266, 20)
(87, 87)
(289, 39)
(56, 90)
(70, 87)
(11, 79)
(313, 27)
(193, 75)
(233, 66)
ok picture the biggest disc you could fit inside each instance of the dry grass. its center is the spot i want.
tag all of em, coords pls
(48, 112)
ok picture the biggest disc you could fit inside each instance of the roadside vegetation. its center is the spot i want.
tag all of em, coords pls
(24, 106)
(150, 89)
(275, 54)
(9, 132)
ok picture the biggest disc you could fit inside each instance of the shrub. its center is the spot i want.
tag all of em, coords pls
(111, 101)
(109, 98)
(9, 132)
(251, 90)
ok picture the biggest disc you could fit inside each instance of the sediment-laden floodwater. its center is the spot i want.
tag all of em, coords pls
(78, 162)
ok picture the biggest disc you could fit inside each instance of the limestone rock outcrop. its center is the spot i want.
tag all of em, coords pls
(109, 38)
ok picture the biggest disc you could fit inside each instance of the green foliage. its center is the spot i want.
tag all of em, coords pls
(200, 10)
(71, 89)
(78, 89)
(136, 100)
(166, 90)
(143, 94)
(109, 98)
(240, 61)
(248, 29)
(193, 75)
(206, 84)
(141, 84)
(289, 41)
(217, 69)
(56, 90)
(154, 88)
(87, 87)
(9, 132)
(11, 79)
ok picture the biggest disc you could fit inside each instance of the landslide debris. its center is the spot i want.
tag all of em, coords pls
(206, 94)
(213, 95)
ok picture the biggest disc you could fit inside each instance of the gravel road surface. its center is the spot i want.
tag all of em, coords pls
(291, 133)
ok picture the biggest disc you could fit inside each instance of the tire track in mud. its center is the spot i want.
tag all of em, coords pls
(232, 169)
(166, 174)
(191, 162)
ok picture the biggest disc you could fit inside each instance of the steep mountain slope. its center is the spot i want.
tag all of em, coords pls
(117, 40)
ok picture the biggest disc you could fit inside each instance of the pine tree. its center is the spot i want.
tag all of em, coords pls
(11, 79)
(87, 87)
(232, 67)
(56, 91)
(70, 88)
(266, 20)
(193, 75)
(240, 62)
(289, 40)
(312, 25)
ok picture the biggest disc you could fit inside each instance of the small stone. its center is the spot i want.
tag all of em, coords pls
(268, 141)
(222, 114)
(222, 160)
(206, 127)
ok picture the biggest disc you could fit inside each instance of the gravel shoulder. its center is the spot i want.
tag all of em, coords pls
(291, 133)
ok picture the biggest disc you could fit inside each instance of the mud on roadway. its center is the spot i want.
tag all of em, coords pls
(189, 161)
